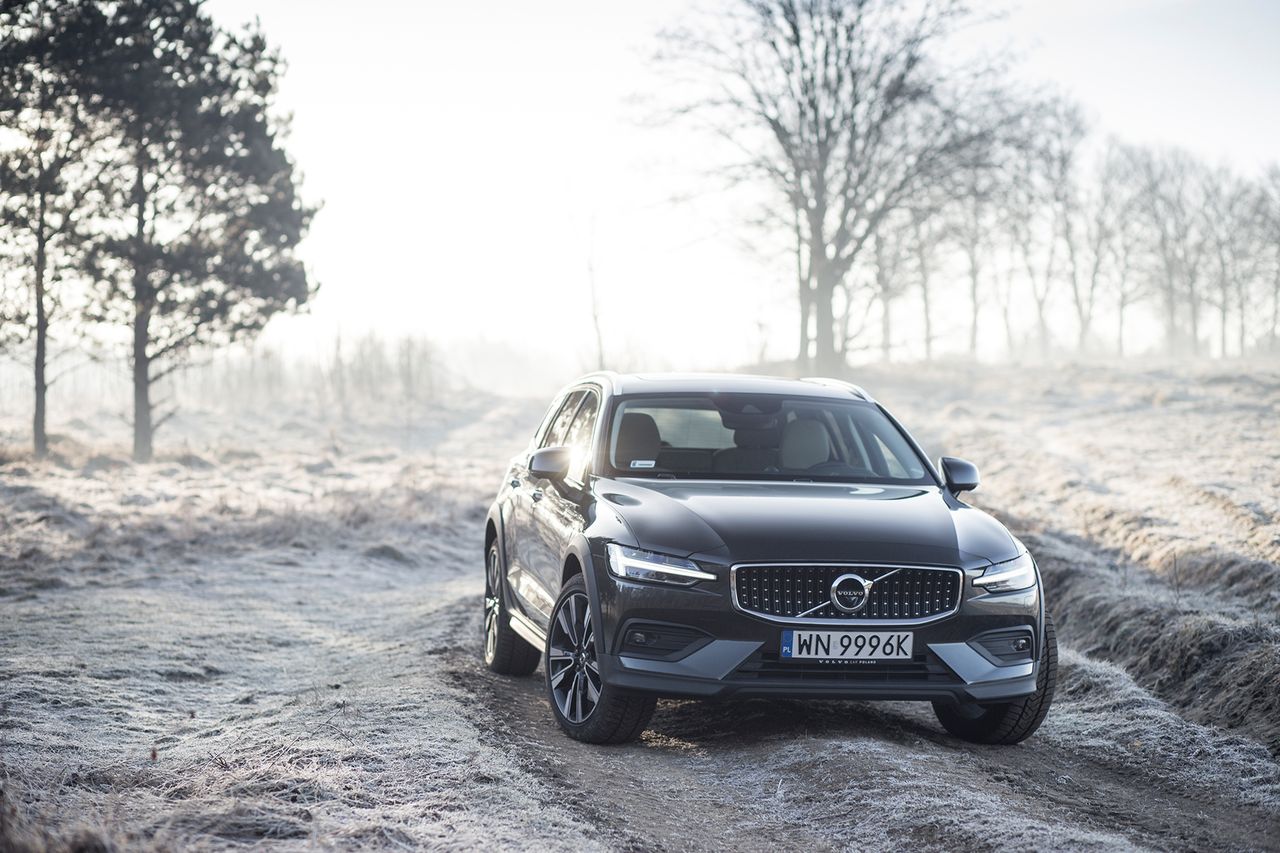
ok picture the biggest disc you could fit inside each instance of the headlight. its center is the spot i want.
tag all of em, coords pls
(636, 565)
(1015, 574)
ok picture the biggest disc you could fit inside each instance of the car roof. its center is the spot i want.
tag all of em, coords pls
(725, 383)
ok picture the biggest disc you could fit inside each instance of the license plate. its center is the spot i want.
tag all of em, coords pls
(846, 645)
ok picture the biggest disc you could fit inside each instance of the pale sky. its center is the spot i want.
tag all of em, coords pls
(466, 154)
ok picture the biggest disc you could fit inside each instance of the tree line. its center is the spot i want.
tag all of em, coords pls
(898, 169)
(147, 203)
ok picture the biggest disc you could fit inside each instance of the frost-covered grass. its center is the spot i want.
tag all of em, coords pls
(270, 636)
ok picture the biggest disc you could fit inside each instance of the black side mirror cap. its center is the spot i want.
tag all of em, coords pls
(959, 474)
(550, 463)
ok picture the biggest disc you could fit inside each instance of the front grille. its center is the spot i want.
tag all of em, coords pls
(786, 591)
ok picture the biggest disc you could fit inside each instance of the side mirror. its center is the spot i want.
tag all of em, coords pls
(550, 463)
(959, 474)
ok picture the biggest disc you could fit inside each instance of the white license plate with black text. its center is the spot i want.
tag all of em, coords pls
(846, 645)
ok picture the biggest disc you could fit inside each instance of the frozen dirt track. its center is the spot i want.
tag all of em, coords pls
(296, 636)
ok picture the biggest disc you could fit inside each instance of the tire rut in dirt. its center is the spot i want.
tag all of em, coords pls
(754, 775)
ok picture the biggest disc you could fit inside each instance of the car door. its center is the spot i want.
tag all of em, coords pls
(523, 545)
(557, 507)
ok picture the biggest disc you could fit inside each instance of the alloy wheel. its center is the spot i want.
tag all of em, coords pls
(574, 674)
(492, 605)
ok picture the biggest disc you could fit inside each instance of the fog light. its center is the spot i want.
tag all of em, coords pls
(1022, 644)
(640, 638)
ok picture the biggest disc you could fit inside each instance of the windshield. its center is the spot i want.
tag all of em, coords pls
(759, 436)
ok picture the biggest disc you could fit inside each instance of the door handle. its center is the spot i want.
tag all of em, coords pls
(537, 494)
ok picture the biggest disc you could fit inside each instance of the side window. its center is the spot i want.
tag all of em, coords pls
(579, 437)
(559, 428)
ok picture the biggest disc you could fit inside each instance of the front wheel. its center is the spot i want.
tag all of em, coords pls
(586, 708)
(505, 651)
(1007, 722)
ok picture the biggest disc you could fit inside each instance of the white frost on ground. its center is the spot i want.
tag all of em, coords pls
(287, 613)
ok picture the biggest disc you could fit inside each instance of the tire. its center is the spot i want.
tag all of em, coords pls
(586, 708)
(505, 651)
(1007, 722)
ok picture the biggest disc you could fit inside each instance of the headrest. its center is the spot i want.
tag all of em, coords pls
(805, 443)
(638, 438)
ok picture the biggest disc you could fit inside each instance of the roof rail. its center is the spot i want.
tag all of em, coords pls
(609, 377)
(857, 390)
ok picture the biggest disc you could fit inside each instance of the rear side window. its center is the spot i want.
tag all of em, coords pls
(559, 429)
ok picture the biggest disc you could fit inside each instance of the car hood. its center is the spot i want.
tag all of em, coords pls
(755, 521)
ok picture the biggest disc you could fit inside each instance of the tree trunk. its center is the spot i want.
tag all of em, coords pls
(1042, 323)
(1193, 301)
(1222, 323)
(928, 318)
(141, 382)
(826, 356)
(974, 279)
(1240, 316)
(1120, 330)
(805, 296)
(886, 326)
(1170, 316)
(143, 302)
(38, 428)
(1275, 310)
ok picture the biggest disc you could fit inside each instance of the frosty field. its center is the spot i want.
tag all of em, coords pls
(271, 636)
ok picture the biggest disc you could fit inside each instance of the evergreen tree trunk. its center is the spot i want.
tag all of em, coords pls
(38, 426)
(141, 382)
(143, 302)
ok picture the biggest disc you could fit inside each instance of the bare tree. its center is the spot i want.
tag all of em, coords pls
(1230, 224)
(1130, 247)
(1270, 229)
(1043, 205)
(928, 236)
(889, 260)
(973, 220)
(843, 107)
(1172, 199)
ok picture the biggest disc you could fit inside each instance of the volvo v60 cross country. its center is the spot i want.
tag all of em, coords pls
(734, 536)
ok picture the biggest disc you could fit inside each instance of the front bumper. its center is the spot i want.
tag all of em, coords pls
(739, 657)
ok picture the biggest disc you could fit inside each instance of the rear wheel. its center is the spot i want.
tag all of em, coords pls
(505, 651)
(585, 707)
(1007, 722)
